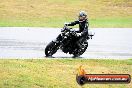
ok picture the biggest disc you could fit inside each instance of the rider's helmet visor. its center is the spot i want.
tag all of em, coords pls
(81, 18)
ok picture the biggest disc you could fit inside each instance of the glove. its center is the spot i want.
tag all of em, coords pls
(78, 34)
(66, 24)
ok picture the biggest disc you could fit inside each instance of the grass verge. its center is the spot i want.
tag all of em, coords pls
(58, 73)
(53, 13)
(125, 22)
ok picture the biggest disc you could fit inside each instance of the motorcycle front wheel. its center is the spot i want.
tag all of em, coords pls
(51, 49)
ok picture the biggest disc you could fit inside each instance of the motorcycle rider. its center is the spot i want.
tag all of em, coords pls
(82, 33)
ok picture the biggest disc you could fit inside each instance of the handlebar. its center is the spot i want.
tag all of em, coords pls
(65, 28)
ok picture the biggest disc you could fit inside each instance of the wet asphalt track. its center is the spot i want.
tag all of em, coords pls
(28, 42)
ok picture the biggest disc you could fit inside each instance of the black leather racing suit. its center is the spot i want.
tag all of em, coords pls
(83, 29)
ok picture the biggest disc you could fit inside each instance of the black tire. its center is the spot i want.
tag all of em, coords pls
(51, 49)
(81, 50)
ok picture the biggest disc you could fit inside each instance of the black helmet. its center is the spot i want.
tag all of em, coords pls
(82, 16)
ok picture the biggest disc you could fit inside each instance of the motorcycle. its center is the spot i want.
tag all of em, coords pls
(68, 43)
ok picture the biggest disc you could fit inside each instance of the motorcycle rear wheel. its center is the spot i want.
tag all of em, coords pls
(81, 50)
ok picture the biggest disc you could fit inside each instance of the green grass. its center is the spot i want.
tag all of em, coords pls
(53, 13)
(112, 22)
(58, 73)
(53, 22)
